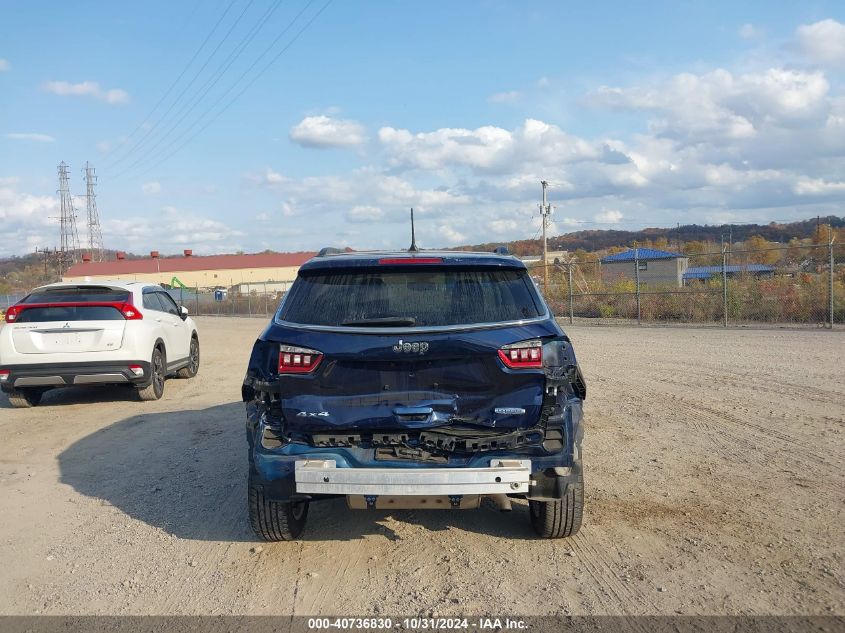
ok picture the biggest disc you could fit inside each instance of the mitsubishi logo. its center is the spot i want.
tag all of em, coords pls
(66, 326)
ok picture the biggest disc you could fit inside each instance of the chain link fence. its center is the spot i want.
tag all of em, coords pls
(229, 302)
(783, 285)
(788, 285)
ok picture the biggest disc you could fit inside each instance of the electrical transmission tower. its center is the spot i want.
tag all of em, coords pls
(95, 233)
(69, 238)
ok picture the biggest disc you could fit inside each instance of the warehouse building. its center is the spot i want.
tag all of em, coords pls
(703, 273)
(213, 271)
(655, 267)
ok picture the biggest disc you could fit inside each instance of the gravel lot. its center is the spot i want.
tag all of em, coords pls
(714, 470)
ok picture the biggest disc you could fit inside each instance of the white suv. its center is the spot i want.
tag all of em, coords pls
(69, 334)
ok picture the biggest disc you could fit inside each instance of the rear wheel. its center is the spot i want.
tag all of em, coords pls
(193, 361)
(25, 398)
(155, 389)
(559, 518)
(275, 520)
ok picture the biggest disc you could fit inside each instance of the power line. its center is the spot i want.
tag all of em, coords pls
(246, 87)
(155, 125)
(178, 78)
(212, 81)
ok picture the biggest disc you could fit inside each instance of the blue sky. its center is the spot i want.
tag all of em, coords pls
(639, 114)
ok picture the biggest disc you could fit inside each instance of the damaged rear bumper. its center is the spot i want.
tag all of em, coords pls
(500, 477)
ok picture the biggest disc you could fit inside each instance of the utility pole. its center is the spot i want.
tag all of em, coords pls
(95, 233)
(69, 238)
(724, 282)
(830, 272)
(545, 212)
(46, 253)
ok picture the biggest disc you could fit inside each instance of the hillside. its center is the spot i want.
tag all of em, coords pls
(596, 240)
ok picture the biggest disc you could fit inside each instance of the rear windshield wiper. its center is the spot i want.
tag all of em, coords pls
(382, 322)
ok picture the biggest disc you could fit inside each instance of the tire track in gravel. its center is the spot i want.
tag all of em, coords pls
(623, 595)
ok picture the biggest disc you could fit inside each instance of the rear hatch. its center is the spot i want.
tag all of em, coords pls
(71, 320)
(403, 346)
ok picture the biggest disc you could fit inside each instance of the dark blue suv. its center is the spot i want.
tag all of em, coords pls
(413, 380)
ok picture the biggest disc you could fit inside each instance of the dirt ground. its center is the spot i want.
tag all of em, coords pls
(714, 470)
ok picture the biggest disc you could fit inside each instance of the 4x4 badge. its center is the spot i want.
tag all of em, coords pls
(410, 348)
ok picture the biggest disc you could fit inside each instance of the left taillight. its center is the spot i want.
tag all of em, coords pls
(522, 355)
(4, 375)
(298, 360)
(12, 314)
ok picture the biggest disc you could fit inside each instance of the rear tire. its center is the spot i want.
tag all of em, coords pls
(559, 518)
(155, 389)
(275, 520)
(193, 361)
(25, 398)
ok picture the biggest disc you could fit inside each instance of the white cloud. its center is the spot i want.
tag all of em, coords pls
(720, 107)
(505, 97)
(609, 217)
(451, 235)
(750, 32)
(170, 231)
(818, 187)
(4, 65)
(26, 218)
(365, 214)
(151, 188)
(30, 136)
(486, 148)
(323, 132)
(822, 42)
(113, 96)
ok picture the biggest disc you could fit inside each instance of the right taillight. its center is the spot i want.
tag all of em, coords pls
(522, 355)
(298, 360)
(12, 314)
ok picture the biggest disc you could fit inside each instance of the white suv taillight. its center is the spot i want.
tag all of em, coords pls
(522, 355)
(4, 375)
(298, 360)
(137, 370)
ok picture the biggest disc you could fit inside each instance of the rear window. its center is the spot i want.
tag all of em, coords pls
(418, 298)
(89, 294)
(69, 313)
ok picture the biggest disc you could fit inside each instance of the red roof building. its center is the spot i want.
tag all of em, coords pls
(204, 272)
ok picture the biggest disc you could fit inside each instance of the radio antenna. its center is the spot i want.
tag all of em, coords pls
(414, 248)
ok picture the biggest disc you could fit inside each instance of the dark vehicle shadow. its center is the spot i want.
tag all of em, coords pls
(81, 395)
(185, 473)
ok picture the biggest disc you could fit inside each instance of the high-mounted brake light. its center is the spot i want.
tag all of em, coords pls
(12, 314)
(4, 375)
(127, 309)
(401, 261)
(522, 355)
(298, 360)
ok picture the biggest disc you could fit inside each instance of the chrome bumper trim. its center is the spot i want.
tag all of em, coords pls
(93, 379)
(39, 381)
